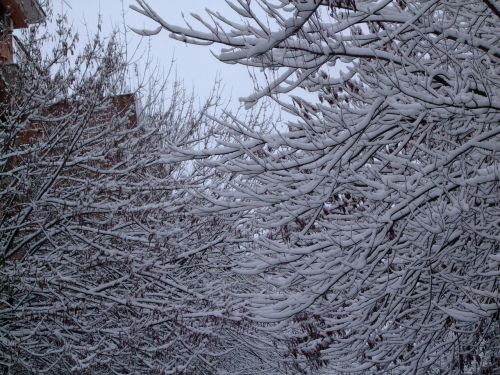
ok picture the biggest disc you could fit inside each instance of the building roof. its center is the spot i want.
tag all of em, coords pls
(23, 12)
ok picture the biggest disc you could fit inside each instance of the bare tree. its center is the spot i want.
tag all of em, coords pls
(103, 266)
(374, 216)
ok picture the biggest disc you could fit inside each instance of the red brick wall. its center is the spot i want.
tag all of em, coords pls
(6, 49)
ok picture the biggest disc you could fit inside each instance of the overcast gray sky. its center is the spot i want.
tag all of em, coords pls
(196, 66)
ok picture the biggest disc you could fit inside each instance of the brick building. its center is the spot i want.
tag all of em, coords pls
(114, 113)
(16, 14)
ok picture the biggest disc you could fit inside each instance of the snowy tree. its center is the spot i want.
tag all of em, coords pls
(103, 267)
(373, 213)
